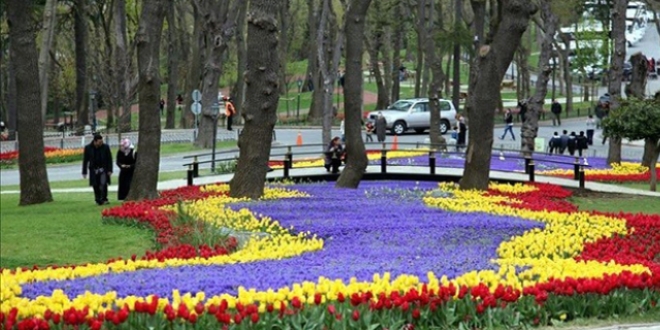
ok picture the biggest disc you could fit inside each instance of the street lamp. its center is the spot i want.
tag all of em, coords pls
(92, 108)
(215, 109)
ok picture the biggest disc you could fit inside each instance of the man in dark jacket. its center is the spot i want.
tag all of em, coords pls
(98, 160)
(556, 113)
(564, 140)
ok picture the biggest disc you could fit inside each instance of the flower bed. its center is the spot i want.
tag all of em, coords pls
(390, 254)
(53, 156)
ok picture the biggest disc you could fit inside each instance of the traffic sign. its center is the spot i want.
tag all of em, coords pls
(196, 95)
(196, 108)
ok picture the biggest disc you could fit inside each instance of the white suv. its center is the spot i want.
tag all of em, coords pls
(415, 114)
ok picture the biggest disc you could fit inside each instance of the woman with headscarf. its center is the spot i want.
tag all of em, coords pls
(126, 157)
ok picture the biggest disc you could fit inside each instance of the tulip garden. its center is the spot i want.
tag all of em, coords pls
(53, 156)
(388, 255)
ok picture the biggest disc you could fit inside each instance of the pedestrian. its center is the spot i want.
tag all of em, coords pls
(555, 108)
(572, 143)
(381, 127)
(461, 130)
(369, 127)
(554, 144)
(591, 128)
(508, 121)
(126, 157)
(98, 160)
(179, 102)
(230, 111)
(563, 139)
(161, 106)
(333, 154)
(581, 143)
(3, 131)
(522, 110)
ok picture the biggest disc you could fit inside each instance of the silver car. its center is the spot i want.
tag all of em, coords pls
(415, 114)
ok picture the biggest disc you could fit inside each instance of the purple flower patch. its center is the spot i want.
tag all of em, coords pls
(380, 227)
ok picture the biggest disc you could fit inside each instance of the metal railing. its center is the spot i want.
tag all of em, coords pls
(287, 158)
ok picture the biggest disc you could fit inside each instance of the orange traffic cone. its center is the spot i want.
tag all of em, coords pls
(299, 139)
(395, 143)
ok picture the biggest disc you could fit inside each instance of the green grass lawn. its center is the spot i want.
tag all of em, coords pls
(67, 231)
(616, 203)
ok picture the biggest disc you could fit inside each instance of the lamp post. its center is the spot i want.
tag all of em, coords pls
(92, 108)
(300, 82)
(215, 109)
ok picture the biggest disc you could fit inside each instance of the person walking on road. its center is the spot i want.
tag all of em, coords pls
(555, 108)
(369, 127)
(563, 139)
(98, 160)
(508, 120)
(126, 157)
(381, 127)
(461, 132)
(591, 128)
(230, 111)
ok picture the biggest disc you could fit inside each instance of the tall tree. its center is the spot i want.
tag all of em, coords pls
(636, 90)
(329, 55)
(355, 152)
(397, 46)
(238, 92)
(23, 54)
(637, 119)
(420, 28)
(458, 20)
(493, 58)
(530, 127)
(219, 28)
(193, 79)
(435, 61)
(375, 42)
(172, 65)
(47, 40)
(145, 181)
(616, 71)
(80, 35)
(260, 113)
(122, 79)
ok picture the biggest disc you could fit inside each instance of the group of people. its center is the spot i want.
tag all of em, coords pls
(97, 163)
(560, 144)
(230, 110)
(379, 126)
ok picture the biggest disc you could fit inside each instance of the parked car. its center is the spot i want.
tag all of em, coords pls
(415, 114)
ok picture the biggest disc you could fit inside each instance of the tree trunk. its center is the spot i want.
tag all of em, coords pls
(397, 43)
(172, 66)
(12, 106)
(47, 39)
(195, 69)
(284, 20)
(316, 51)
(636, 89)
(654, 161)
(23, 54)
(616, 71)
(260, 113)
(328, 60)
(80, 36)
(435, 89)
(530, 127)
(374, 48)
(456, 86)
(421, 41)
(121, 67)
(145, 181)
(241, 64)
(650, 146)
(493, 58)
(355, 152)
(218, 31)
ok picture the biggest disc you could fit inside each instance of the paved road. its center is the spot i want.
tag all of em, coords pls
(286, 137)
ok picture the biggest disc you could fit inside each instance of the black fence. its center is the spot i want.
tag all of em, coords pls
(288, 154)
